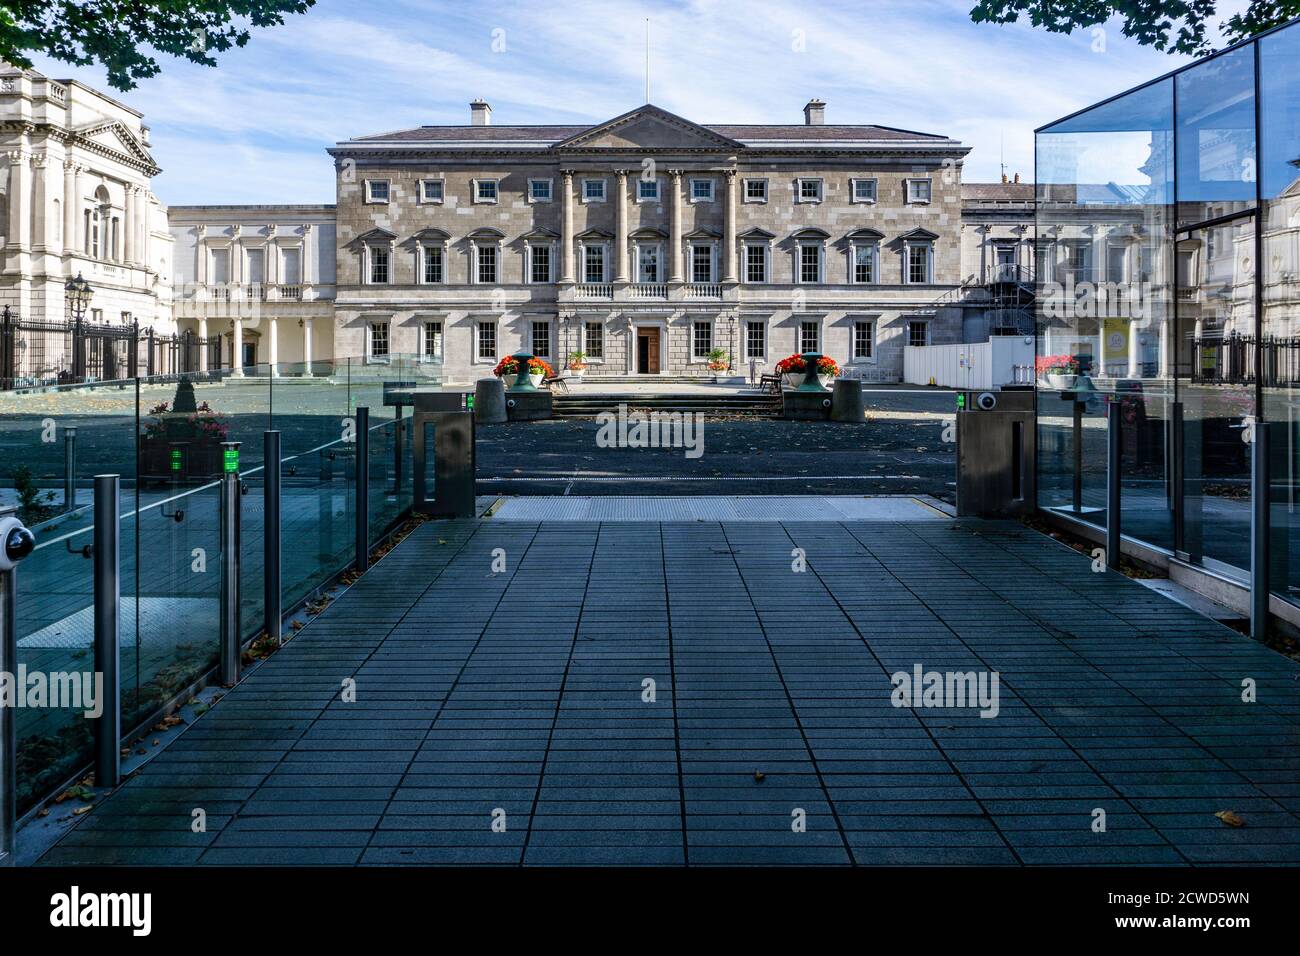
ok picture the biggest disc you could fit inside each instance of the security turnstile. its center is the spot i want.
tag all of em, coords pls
(995, 452)
(443, 423)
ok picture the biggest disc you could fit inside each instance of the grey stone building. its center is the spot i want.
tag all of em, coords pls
(648, 242)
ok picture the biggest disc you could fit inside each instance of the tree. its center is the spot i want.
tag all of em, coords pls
(123, 34)
(1176, 26)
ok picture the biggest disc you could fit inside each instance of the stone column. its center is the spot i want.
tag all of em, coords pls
(70, 211)
(273, 345)
(729, 228)
(306, 346)
(237, 349)
(1134, 351)
(41, 228)
(128, 225)
(620, 226)
(142, 225)
(20, 202)
(78, 214)
(203, 346)
(566, 228)
(675, 232)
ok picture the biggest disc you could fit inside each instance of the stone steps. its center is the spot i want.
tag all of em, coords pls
(583, 406)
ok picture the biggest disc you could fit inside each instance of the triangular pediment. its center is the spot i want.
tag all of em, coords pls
(649, 128)
(115, 137)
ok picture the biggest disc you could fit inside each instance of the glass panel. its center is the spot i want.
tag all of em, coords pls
(1105, 187)
(1216, 349)
(1216, 136)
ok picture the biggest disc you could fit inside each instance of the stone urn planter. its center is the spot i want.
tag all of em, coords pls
(535, 379)
(1062, 381)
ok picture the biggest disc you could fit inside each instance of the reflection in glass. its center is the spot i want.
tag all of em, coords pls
(1216, 137)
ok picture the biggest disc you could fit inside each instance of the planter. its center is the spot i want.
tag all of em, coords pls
(792, 379)
(535, 378)
(1061, 381)
(825, 379)
(575, 374)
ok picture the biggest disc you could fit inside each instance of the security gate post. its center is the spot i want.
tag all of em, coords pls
(108, 622)
(228, 653)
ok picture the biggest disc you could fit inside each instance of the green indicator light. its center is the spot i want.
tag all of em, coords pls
(961, 399)
(230, 461)
(176, 459)
(469, 401)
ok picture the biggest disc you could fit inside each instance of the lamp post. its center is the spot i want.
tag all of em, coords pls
(78, 293)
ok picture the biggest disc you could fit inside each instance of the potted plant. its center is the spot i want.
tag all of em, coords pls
(827, 369)
(539, 369)
(577, 365)
(718, 362)
(1060, 372)
(791, 369)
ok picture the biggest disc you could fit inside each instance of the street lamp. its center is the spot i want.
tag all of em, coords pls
(78, 293)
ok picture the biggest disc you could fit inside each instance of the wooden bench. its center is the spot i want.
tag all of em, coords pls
(556, 380)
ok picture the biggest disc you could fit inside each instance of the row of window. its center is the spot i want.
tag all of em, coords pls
(649, 267)
(594, 189)
(593, 339)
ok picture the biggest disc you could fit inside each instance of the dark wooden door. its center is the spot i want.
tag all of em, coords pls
(647, 352)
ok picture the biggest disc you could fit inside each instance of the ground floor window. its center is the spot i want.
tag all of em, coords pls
(755, 340)
(541, 339)
(918, 332)
(379, 340)
(594, 340)
(433, 340)
(701, 339)
(810, 336)
(487, 341)
(862, 339)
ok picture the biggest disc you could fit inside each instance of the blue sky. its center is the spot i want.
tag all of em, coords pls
(254, 129)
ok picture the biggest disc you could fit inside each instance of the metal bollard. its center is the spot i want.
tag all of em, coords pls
(271, 535)
(1115, 448)
(16, 542)
(363, 488)
(1260, 500)
(108, 620)
(228, 653)
(69, 468)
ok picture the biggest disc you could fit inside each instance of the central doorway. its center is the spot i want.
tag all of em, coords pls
(647, 351)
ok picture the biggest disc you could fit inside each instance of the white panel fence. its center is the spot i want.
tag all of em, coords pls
(1002, 360)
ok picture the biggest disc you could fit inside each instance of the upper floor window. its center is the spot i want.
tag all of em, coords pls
(486, 271)
(918, 190)
(702, 263)
(755, 190)
(593, 263)
(433, 340)
(431, 190)
(809, 190)
(810, 262)
(485, 190)
(1115, 259)
(434, 272)
(864, 190)
(380, 273)
(593, 190)
(701, 190)
(647, 263)
(918, 263)
(756, 262)
(647, 190)
(219, 273)
(379, 340)
(539, 262)
(864, 263)
(539, 190)
(810, 337)
(376, 190)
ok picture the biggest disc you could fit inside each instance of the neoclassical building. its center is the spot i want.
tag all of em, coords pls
(648, 242)
(76, 199)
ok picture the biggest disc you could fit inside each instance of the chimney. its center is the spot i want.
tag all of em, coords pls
(144, 135)
(1017, 178)
(480, 114)
(814, 114)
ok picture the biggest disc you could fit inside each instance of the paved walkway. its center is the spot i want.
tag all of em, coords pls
(519, 697)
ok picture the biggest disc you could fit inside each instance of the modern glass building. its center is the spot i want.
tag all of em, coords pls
(1168, 231)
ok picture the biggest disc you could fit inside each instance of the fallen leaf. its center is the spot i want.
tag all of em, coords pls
(80, 810)
(1230, 818)
(759, 776)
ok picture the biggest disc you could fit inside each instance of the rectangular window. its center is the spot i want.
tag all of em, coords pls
(431, 190)
(256, 266)
(594, 340)
(864, 264)
(918, 190)
(541, 339)
(593, 190)
(918, 333)
(539, 190)
(1115, 263)
(1077, 261)
(593, 263)
(918, 264)
(433, 340)
(864, 190)
(755, 340)
(487, 264)
(701, 263)
(485, 190)
(755, 263)
(376, 190)
(701, 190)
(220, 274)
(433, 271)
(647, 263)
(647, 190)
(378, 265)
(541, 263)
(487, 341)
(379, 340)
(862, 339)
(810, 263)
(701, 339)
(810, 336)
(755, 190)
(810, 190)
(291, 266)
